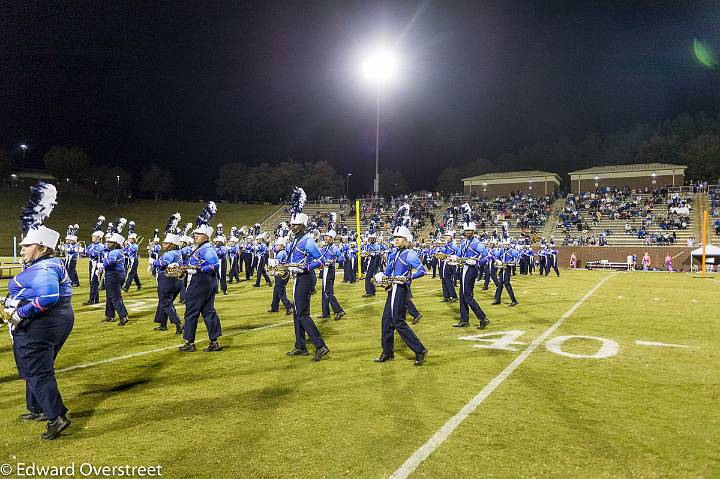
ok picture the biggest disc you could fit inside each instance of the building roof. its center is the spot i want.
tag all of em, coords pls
(520, 175)
(621, 168)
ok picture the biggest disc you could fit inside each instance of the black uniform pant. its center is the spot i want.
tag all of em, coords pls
(490, 274)
(372, 267)
(551, 264)
(410, 305)
(168, 290)
(200, 299)
(393, 319)
(353, 268)
(504, 282)
(113, 292)
(183, 288)
(302, 291)
(541, 266)
(467, 296)
(448, 281)
(222, 275)
(261, 271)
(347, 270)
(328, 291)
(71, 267)
(36, 344)
(94, 282)
(248, 260)
(434, 266)
(132, 274)
(280, 294)
(234, 271)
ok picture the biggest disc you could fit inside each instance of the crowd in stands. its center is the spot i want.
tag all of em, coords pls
(627, 204)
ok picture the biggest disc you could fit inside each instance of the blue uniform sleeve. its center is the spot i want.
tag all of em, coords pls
(46, 285)
(210, 261)
(314, 252)
(414, 261)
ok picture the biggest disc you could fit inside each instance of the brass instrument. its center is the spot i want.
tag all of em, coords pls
(364, 254)
(178, 271)
(441, 256)
(282, 270)
(388, 281)
(5, 316)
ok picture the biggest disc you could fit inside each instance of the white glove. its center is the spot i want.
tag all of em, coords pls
(470, 262)
(379, 277)
(272, 262)
(295, 269)
(11, 303)
(173, 265)
(453, 258)
(15, 319)
(190, 271)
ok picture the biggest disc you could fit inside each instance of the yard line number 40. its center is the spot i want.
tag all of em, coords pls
(507, 340)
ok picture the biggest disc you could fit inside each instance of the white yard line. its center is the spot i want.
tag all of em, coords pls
(666, 345)
(449, 427)
(175, 346)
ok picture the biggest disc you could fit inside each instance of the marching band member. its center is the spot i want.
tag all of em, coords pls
(490, 266)
(503, 257)
(72, 251)
(551, 260)
(373, 252)
(448, 269)
(94, 252)
(202, 285)
(280, 288)
(113, 265)
(330, 255)
(473, 252)
(221, 251)
(352, 255)
(186, 250)
(303, 251)
(39, 310)
(401, 263)
(248, 252)
(233, 252)
(168, 287)
(261, 253)
(131, 253)
(154, 249)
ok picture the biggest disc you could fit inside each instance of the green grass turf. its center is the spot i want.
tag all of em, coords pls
(252, 411)
(147, 214)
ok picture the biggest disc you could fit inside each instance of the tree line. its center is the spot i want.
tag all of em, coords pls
(691, 140)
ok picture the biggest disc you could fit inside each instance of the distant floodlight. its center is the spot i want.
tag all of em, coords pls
(381, 66)
(23, 146)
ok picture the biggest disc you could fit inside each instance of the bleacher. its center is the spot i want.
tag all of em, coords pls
(621, 229)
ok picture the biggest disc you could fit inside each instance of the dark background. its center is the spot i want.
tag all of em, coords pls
(193, 85)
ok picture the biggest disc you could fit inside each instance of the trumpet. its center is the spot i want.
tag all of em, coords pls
(462, 262)
(364, 254)
(441, 256)
(387, 281)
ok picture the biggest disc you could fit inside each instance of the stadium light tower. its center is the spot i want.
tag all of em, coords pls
(379, 67)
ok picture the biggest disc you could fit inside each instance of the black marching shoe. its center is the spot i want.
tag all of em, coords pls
(178, 328)
(270, 284)
(367, 295)
(514, 303)
(160, 328)
(324, 316)
(297, 352)
(484, 288)
(484, 323)
(384, 357)
(213, 346)
(109, 320)
(273, 310)
(417, 318)
(55, 427)
(339, 315)
(320, 353)
(126, 290)
(495, 302)
(256, 285)
(187, 348)
(420, 357)
(33, 416)
(124, 321)
(461, 324)
(445, 300)
(289, 311)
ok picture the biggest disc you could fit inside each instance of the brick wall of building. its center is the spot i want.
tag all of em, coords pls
(681, 255)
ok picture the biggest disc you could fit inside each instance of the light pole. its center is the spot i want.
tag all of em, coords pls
(347, 187)
(24, 148)
(380, 67)
(117, 190)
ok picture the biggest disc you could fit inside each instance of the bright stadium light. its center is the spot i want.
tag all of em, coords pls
(379, 66)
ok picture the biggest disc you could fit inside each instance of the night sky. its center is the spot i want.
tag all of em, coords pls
(193, 85)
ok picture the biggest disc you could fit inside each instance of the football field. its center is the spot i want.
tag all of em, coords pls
(593, 374)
